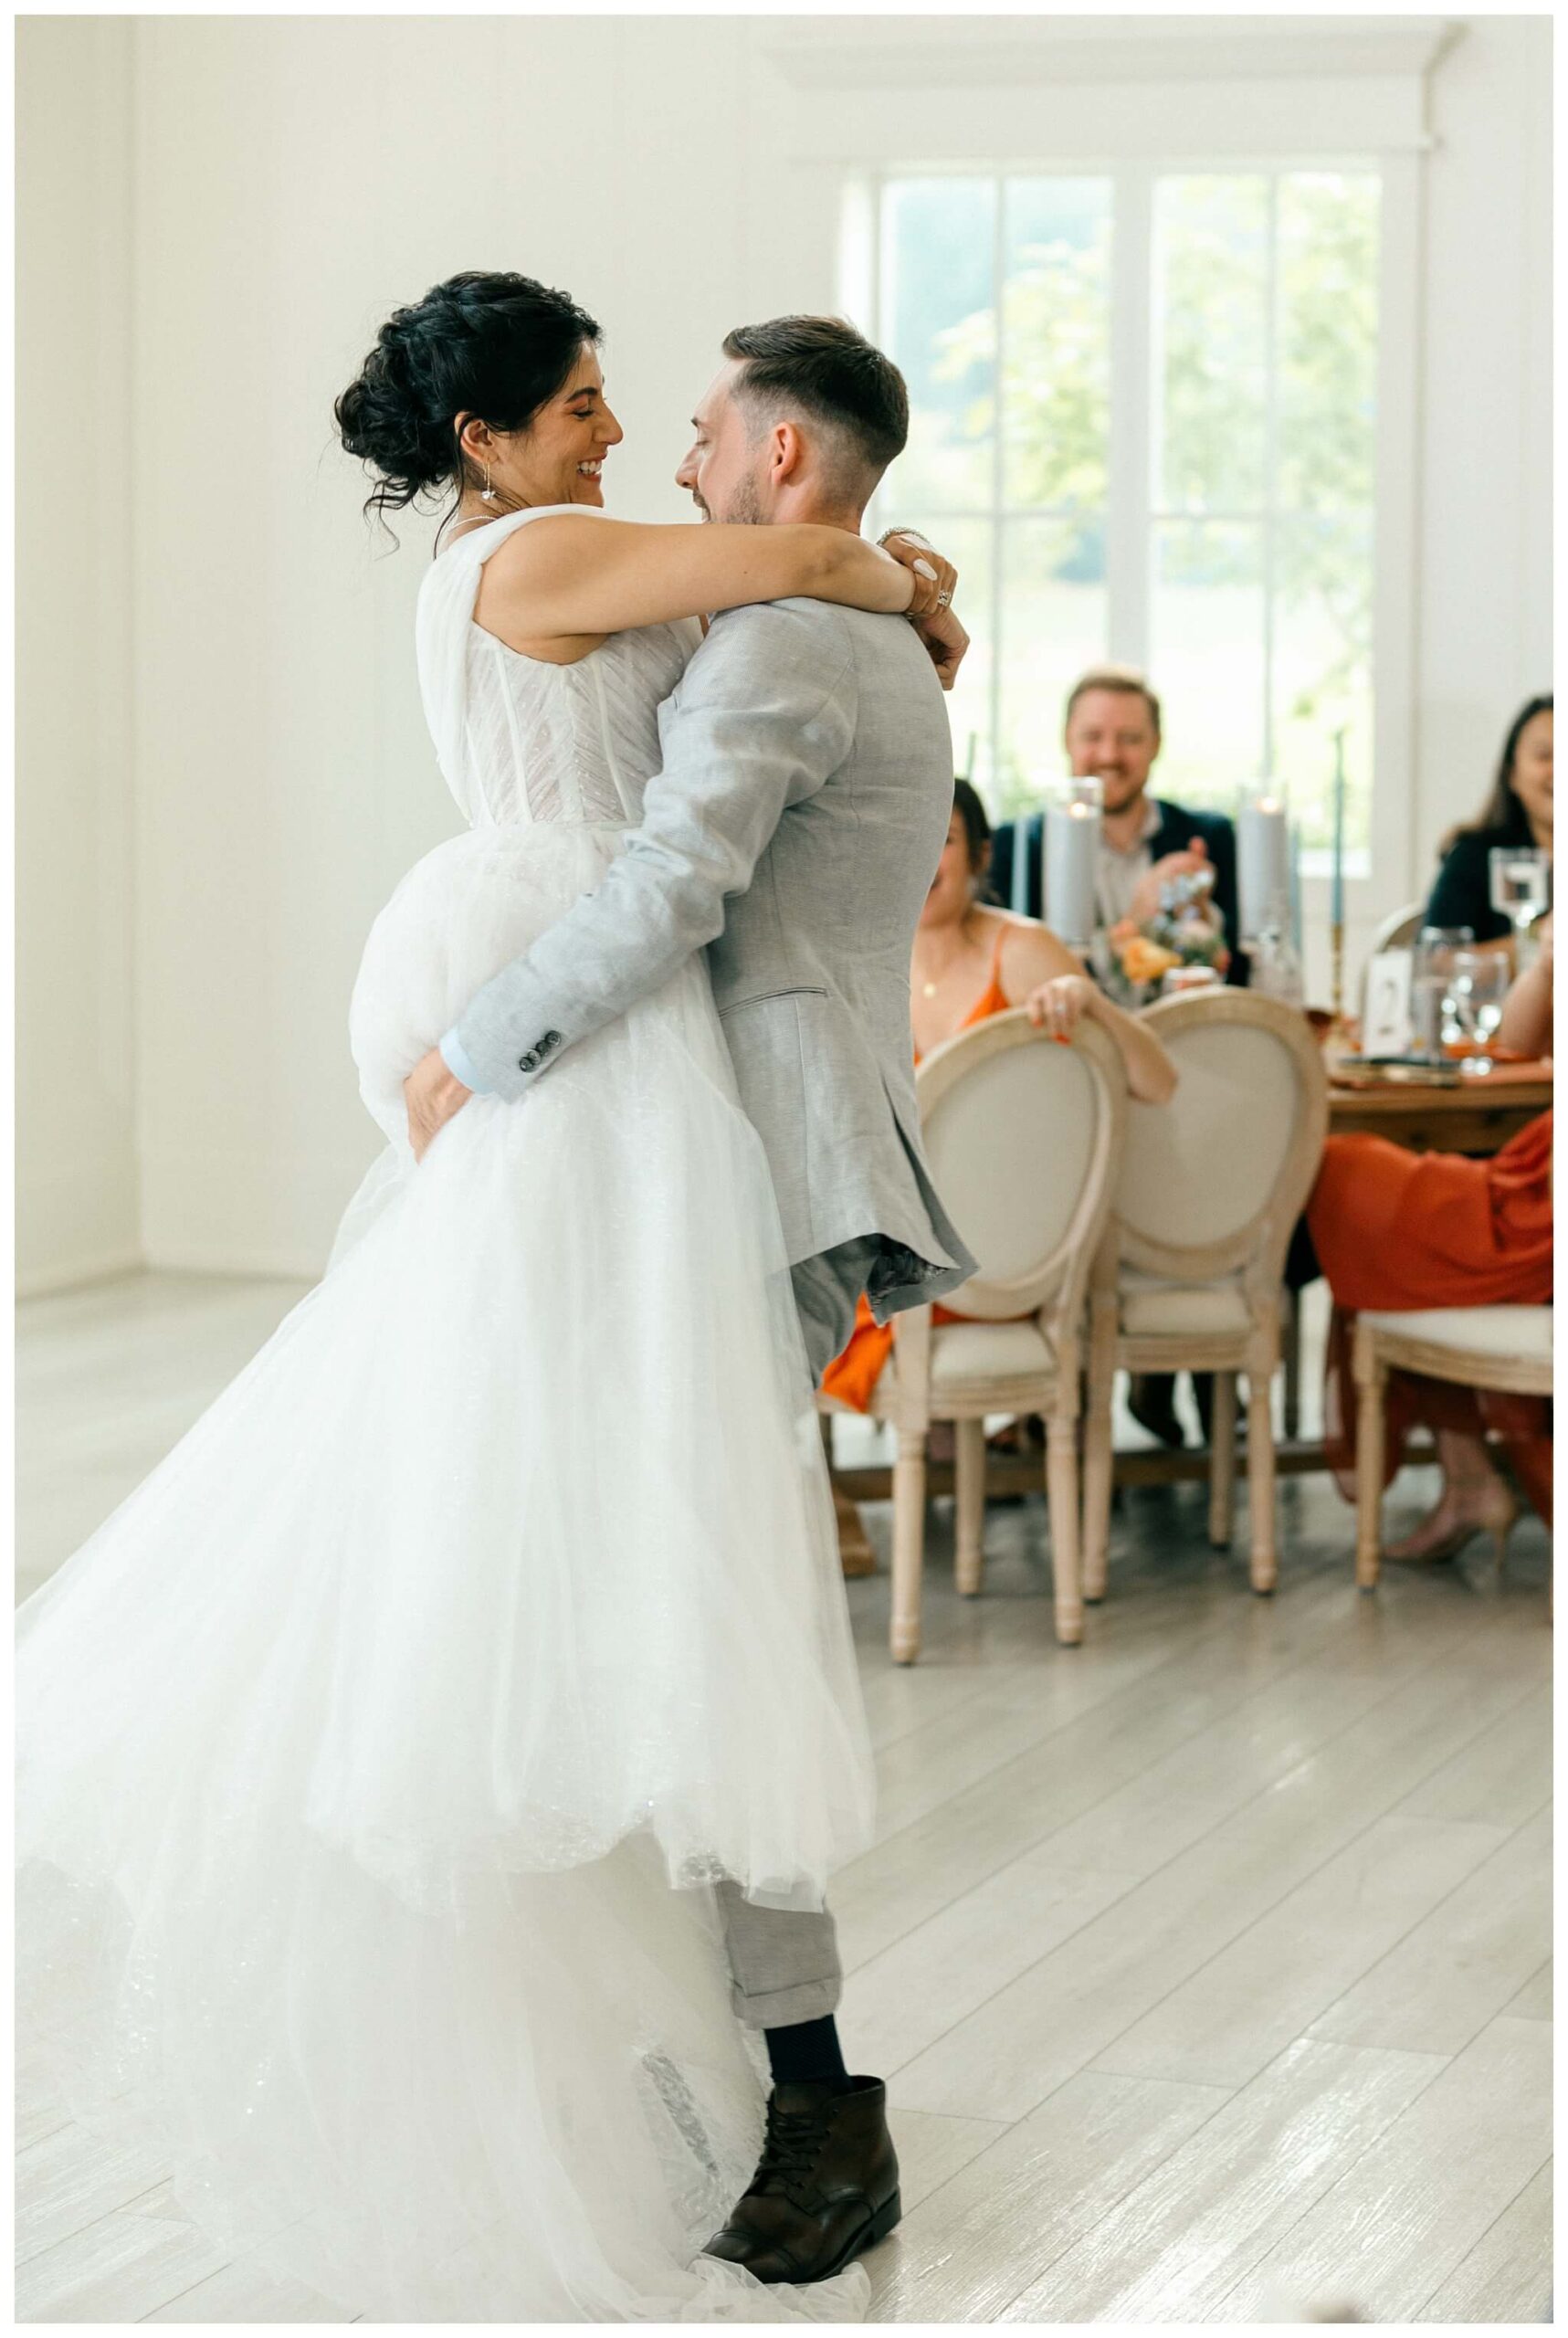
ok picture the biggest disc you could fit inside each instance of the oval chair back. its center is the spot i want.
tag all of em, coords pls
(1022, 1136)
(1215, 1180)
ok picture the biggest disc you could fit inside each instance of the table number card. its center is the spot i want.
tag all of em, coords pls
(1385, 1028)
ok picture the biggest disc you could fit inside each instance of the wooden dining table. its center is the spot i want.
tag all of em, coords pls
(1476, 1114)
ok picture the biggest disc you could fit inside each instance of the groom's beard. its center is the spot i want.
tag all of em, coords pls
(745, 508)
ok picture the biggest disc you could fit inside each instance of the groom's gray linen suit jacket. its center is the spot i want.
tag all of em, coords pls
(792, 832)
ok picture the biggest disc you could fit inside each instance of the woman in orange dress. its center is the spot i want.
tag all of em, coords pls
(1398, 1229)
(970, 961)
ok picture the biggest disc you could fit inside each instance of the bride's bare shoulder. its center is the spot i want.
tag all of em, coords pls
(552, 535)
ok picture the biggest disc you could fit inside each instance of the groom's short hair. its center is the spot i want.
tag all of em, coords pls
(831, 375)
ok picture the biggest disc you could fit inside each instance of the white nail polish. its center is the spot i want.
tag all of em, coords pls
(924, 568)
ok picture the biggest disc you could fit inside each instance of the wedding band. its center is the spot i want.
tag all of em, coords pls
(943, 599)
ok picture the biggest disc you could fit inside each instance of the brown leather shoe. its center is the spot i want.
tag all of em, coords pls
(826, 2187)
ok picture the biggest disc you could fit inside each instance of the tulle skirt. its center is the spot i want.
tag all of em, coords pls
(373, 1754)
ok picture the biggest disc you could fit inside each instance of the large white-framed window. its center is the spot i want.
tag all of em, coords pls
(1146, 421)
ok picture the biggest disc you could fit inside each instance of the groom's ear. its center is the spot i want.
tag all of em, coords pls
(788, 455)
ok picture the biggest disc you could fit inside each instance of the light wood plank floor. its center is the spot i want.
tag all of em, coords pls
(1209, 1963)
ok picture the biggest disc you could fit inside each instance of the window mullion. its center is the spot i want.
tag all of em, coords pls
(1270, 459)
(998, 281)
(1129, 548)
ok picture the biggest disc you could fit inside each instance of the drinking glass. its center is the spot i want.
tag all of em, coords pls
(1520, 891)
(1433, 1018)
(1480, 981)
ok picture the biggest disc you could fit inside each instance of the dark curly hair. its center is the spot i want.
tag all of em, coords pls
(496, 346)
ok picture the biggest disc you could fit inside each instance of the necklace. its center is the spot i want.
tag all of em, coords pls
(929, 990)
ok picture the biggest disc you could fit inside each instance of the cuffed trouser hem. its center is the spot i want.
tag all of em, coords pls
(783, 2007)
(783, 1962)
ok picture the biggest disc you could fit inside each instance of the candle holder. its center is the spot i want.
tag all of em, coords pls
(1071, 874)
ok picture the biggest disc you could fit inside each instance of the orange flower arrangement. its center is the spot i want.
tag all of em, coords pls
(1143, 960)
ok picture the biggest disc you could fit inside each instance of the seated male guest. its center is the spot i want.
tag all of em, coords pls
(1112, 731)
(1517, 811)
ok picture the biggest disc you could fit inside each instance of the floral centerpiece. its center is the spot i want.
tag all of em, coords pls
(1186, 929)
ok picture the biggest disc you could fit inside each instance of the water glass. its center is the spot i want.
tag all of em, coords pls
(1433, 1016)
(1478, 986)
(1522, 891)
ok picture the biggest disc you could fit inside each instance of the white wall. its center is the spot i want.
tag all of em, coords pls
(287, 181)
(76, 1164)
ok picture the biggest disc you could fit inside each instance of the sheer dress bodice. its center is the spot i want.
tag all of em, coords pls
(575, 744)
(521, 742)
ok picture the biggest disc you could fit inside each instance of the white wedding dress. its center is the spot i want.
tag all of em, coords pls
(372, 1750)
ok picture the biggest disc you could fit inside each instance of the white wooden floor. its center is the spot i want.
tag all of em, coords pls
(1209, 1963)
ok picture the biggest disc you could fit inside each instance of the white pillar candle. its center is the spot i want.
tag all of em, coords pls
(1072, 862)
(1262, 860)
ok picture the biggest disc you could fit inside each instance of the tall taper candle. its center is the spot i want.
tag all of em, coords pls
(1337, 902)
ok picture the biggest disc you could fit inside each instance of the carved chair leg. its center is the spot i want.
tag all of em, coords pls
(1222, 1459)
(1062, 1500)
(970, 1442)
(1099, 1459)
(1261, 1472)
(1371, 1379)
(908, 1544)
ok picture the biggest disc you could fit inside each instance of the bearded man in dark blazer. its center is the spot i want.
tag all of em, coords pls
(1112, 730)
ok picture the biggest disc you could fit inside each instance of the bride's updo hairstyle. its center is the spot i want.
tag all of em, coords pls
(495, 346)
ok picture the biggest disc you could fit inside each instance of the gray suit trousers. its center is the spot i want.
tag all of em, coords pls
(783, 1962)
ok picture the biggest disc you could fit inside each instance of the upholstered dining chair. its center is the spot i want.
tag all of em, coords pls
(1399, 929)
(1022, 1135)
(1504, 1348)
(1189, 1270)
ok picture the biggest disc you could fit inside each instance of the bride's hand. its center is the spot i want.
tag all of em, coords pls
(937, 575)
(433, 1094)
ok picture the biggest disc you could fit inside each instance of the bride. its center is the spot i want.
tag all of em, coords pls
(362, 1746)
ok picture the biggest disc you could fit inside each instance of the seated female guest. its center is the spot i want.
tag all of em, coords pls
(970, 961)
(1518, 812)
(1398, 1229)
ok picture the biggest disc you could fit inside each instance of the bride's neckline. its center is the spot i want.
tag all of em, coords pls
(476, 522)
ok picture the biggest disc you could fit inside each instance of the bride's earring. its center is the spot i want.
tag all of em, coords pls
(487, 492)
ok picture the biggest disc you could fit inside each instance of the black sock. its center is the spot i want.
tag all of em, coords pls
(807, 2053)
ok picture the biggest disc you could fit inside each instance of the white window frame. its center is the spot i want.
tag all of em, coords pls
(1131, 514)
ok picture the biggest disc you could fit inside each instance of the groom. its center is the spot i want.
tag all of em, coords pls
(793, 833)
